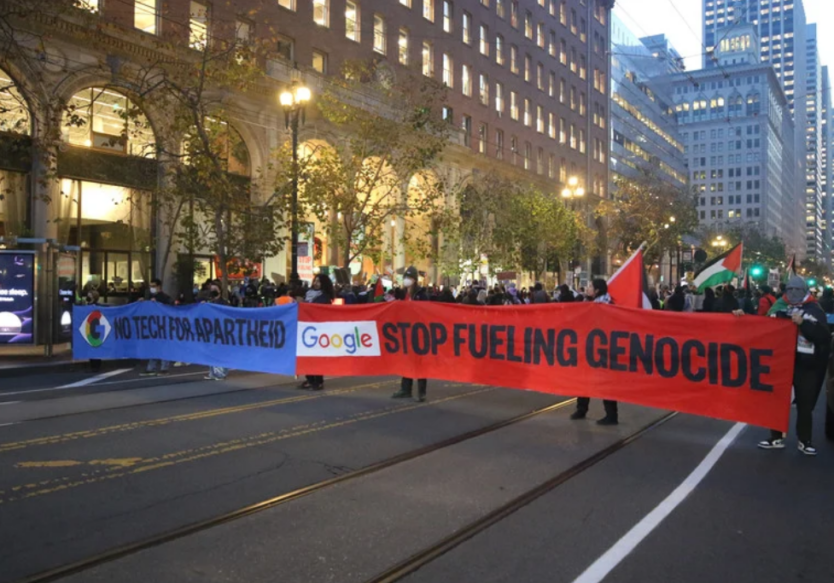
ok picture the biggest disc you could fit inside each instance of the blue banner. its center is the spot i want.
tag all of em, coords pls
(253, 339)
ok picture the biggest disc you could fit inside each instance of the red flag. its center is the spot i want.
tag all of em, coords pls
(628, 285)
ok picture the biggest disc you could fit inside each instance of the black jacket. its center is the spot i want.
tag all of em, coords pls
(814, 329)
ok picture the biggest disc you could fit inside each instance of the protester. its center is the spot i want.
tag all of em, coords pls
(827, 301)
(598, 293)
(565, 294)
(414, 293)
(155, 294)
(92, 299)
(812, 352)
(766, 301)
(324, 285)
(677, 301)
(217, 373)
(727, 303)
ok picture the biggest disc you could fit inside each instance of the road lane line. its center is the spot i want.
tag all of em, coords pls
(60, 438)
(50, 486)
(167, 376)
(10, 403)
(8, 424)
(603, 566)
(95, 379)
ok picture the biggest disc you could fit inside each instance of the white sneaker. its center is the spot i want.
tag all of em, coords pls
(772, 444)
(807, 448)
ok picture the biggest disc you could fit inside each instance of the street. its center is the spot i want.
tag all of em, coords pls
(159, 479)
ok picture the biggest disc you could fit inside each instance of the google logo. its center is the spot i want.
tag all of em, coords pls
(95, 328)
(338, 338)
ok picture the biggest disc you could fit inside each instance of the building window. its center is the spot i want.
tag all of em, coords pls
(379, 34)
(551, 44)
(321, 12)
(402, 46)
(448, 16)
(583, 30)
(573, 101)
(467, 28)
(583, 67)
(563, 52)
(563, 171)
(448, 70)
(483, 90)
(288, 4)
(320, 61)
(484, 40)
(428, 59)
(514, 105)
(482, 138)
(352, 20)
(198, 26)
(500, 8)
(499, 144)
(573, 61)
(528, 155)
(99, 121)
(539, 119)
(528, 115)
(551, 167)
(573, 136)
(499, 98)
(285, 47)
(428, 10)
(574, 28)
(406, 3)
(448, 114)
(528, 25)
(514, 59)
(540, 161)
(551, 85)
(466, 80)
(146, 16)
(514, 150)
(582, 145)
(583, 106)
(514, 13)
(243, 32)
(540, 35)
(563, 131)
(499, 49)
(551, 126)
(563, 90)
(563, 12)
(466, 127)
(528, 66)
(540, 77)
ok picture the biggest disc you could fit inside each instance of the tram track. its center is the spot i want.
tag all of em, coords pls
(436, 550)
(125, 550)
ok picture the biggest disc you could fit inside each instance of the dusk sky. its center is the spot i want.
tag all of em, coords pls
(681, 21)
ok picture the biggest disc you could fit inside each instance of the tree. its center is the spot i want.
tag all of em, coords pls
(648, 209)
(768, 252)
(393, 131)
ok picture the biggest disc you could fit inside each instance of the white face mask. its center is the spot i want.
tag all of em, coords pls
(408, 282)
(154, 290)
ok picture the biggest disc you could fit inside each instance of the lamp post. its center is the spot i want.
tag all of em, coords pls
(573, 192)
(720, 242)
(294, 102)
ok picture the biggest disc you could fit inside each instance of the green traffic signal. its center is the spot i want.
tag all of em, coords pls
(756, 271)
(812, 282)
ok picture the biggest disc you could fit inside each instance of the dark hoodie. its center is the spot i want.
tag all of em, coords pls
(814, 340)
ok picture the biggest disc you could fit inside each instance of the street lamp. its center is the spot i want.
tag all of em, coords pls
(572, 192)
(720, 241)
(294, 103)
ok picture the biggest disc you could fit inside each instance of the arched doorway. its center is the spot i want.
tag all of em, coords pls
(15, 133)
(107, 171)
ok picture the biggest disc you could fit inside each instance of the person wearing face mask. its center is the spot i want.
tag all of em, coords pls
(598, 293)
(812, 351)
(156, 366)
(324, 285)
(413, 293)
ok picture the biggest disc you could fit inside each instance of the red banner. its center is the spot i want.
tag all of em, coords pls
(706, 364)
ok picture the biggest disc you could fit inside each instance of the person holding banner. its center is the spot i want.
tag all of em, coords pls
(598, 293)
(326, 294)
(413, 293)
(155, 294)
(812, 351)
(217, 373)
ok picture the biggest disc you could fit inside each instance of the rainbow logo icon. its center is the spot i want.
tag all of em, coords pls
(95, 328)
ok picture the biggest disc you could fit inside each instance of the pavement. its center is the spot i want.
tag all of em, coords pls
(88, 468)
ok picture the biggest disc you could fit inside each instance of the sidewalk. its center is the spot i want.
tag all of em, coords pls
(18, 361)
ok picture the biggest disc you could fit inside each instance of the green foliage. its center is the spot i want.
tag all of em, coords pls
(643, 211)
(383, 167)
(760, 249)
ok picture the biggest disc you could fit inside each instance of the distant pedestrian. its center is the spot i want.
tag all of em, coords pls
(598, 293)
(155, 294)
(217, 373)
(766, 301)
(677, 301)
(326, 294)
(413, 293)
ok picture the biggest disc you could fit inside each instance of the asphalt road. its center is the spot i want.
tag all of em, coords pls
(86, 469)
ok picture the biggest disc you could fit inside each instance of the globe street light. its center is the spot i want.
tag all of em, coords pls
(572, 192)
(294, 103)
(720, 241)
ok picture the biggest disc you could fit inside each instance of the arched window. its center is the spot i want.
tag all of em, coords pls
(699, 107)
(736, 105)
(14, 111)
(229, 146)
(717, 107)
(754, 106)
(104, 119)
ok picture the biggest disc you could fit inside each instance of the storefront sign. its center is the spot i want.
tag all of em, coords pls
(17, 297)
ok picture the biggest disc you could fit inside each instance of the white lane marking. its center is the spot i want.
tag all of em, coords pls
(7, 424)
(95, 379)
(10, 402)
(170, 376)
(600, 568)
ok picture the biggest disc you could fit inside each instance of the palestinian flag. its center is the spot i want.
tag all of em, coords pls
(720, 270)
(628, 286)
(379, 291)
(745, 283)
(791, 270)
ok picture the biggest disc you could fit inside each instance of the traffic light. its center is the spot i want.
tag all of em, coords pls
(812, 282)
(756, 270)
